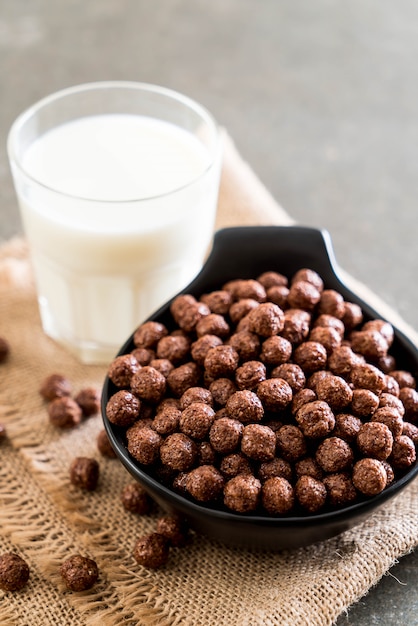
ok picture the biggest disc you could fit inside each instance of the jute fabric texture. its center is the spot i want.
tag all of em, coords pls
(206, 584)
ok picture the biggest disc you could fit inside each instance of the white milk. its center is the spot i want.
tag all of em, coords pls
(103, 259)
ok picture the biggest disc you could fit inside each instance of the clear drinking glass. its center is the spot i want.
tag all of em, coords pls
(118, 209)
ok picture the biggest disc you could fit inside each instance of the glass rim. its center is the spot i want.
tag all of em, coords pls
(167, 92)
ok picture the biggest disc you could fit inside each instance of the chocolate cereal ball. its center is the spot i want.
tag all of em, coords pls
(183, 377)
(403, 378)
(309, 467)
(240, 309)
(88, 400)
(308, 275)
(369, 476)
(277, 495)
(367, 376)
(4, 349)
(166, 421)
(271, 278)
(195, 394)
(143, 443)
(122, 368)
(375, 440)
(370, 343)
(144, 356)
(364, 402)
(278, 294)
(196, 419)
(218, 301)
(331, 303)
(347, 426)
(383, 327)
(234, 464)
(212, 324)
(315, 419)
(292, 374)
(14, 572)
(303, 295)
(174, 348)
(291, 442)
(340, 489)
(302, 397)
(311, 356)
(266, 320)
(173, 529)
(329, 337)
(250, 374)
(411, 431)
(275, 394)
(151, 551)
(391, 418)
(334, 455)
(64, 412)
(178, 452)
(164, 366)
(245, 406)
(206, 455)
(246, 288)
(276, 467)
(148, 384)
(310, 493)
(296, 325)
(149, 334)
(104, 446)
(84, 473)
(221, 361)
(79, 573)
(242, 493)
(201, 346)
(187, 312)
(403, 453)
(335, 391)
(275, 350)
(221, 390)
(135, 499)
(352, 316)
(342, 360)
(246, 343)
(329, 321)
(258, 442)
(225, 435)
(122, 409)
(55, 386)
(409, 398)
(205, 483)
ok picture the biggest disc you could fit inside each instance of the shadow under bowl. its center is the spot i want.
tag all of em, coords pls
(246, 252)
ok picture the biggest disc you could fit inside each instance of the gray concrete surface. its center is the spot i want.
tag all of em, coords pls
(320, 97)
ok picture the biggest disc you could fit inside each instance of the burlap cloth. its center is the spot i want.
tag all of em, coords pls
(205, 584)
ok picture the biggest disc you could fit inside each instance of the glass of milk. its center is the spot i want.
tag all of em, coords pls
(117, 184)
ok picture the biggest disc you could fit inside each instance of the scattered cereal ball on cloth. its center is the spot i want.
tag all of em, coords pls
(151, 551)
(88, 400)
(205, 483)
(4, 349)
(55, 386)
(242, 493)
(84, 473)
(14, 572)
(104, 446)
(369, 476)
(79, 573)
(135, 499)
(3, 432)
(173, 529)
(64, 412)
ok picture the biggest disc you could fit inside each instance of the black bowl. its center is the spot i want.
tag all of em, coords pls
(245, 252)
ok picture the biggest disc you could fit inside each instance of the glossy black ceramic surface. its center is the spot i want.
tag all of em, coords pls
(245, 252)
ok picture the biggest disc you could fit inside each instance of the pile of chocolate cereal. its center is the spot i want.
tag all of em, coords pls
(268, 395)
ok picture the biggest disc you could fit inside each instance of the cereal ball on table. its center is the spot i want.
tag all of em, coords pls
(135, 499)
(14, 572)
(277, 496)
(104, 446)
(242, 493)
(79, 573)
(173, 529)
(64, 412)
(4, 349)
(205, 483)
(88, 400)
(151, 551)
(55, 386)
(84, 473)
